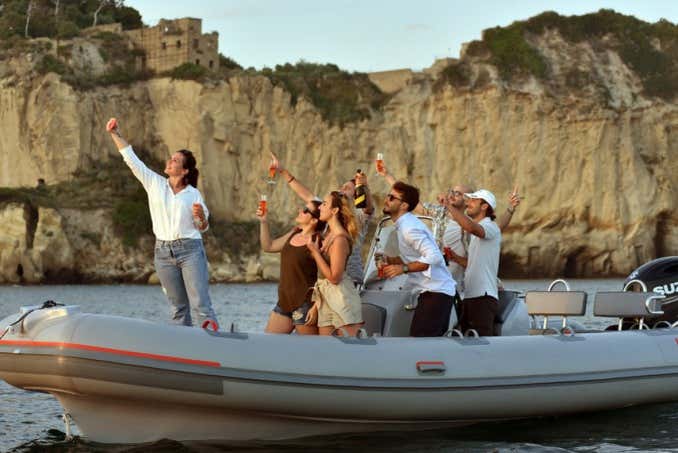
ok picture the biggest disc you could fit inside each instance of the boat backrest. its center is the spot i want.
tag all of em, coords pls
(507, 299)
(374, 318)
(555, 303)
(397, 309)
(628, 304)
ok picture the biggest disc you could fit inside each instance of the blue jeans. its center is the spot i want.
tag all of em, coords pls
(182, 269)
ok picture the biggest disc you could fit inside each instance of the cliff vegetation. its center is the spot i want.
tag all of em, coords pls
(517, 52)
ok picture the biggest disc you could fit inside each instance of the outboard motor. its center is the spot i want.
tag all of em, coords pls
(659, 276)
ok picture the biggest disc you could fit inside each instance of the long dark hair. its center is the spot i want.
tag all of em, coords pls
(189, 164)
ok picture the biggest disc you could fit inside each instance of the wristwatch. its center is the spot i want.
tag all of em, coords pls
(405, 269)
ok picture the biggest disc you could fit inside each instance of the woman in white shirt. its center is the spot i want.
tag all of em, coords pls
(179, 216)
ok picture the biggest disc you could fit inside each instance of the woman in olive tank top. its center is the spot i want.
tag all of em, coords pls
(298, 272)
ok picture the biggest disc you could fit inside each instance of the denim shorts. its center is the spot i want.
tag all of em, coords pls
(298, 316)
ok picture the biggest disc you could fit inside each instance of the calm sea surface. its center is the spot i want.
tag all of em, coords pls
(30, 422)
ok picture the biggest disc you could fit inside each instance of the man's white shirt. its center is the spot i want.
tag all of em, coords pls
(416, 243)
(480, 277)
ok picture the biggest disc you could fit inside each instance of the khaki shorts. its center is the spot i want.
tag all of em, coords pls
(339, 304)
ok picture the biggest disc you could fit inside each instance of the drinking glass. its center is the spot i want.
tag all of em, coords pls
(380, 262)
(380, 163)
(272, 168)
(263, 204)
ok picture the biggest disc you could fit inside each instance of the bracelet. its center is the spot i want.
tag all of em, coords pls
(511, 211)
(291, 179)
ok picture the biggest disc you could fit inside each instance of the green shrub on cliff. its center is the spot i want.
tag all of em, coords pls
(50, 63)
(67, 29)
(63, 21)
(188, 71)
(131, 219)
(650, 50)
(341, 97)
(512, 54)
(457, 74)
(227, 63)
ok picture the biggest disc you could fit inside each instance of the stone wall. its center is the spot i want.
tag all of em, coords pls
(172, 43)
(391, 81)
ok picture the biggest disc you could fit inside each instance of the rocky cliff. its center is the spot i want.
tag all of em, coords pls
(594, 158)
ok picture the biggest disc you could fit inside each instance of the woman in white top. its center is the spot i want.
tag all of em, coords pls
(179, 217)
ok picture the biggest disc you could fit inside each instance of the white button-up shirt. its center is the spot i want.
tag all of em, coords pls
(416, 243)
(172, 214)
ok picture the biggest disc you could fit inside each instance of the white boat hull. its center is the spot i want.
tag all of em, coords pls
(128, 381)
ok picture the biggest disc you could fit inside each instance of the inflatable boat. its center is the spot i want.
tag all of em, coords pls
(124, 380)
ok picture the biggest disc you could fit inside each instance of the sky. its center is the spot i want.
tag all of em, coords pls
(368, 35)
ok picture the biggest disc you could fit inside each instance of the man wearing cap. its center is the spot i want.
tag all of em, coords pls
(456, 239)
(479, 307)
(422, 260)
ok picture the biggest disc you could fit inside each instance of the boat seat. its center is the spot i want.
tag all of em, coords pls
(374, 318)
(507, 300)
(628, 304)
(554, 303)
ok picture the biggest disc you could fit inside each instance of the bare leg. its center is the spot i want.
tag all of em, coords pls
(278, 323)
(352, 329)
(306, 330)
(325, 330)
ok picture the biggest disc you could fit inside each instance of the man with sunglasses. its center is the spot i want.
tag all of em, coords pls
(480, 306)
(422, 260)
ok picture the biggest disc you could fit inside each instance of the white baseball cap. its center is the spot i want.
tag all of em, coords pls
(484, 195)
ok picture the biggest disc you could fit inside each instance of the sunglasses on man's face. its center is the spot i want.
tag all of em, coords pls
(392, 197)
(314, 213)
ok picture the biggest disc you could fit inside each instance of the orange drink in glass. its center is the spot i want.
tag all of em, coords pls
(263, 204)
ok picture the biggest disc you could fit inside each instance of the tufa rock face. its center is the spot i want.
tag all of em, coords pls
(598, 171)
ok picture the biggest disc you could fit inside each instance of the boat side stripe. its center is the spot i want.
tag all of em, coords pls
(123, 352)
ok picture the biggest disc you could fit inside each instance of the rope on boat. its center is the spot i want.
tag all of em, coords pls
(66, 417)
(46, 304)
